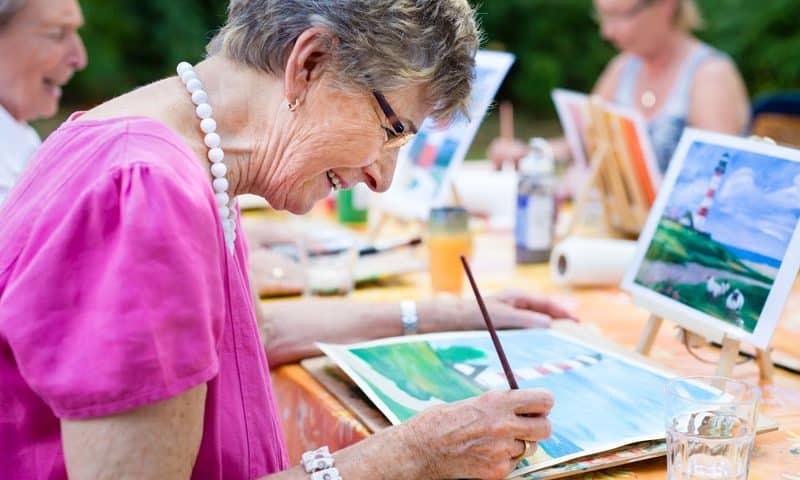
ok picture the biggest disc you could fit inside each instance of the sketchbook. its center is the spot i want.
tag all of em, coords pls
(402, 376)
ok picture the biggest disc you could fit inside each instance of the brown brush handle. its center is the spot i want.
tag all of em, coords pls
(512, 382)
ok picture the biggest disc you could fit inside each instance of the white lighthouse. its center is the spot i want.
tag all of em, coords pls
(700, 217)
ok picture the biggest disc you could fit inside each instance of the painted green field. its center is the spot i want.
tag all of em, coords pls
(675, 243)
(422, 372)
(688, 253)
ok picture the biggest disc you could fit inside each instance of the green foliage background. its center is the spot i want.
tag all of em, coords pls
(133, 42)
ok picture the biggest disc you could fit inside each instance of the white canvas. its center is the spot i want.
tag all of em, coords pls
(427, 165)
(724, 221)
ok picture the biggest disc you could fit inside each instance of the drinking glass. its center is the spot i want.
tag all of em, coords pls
(711, 424)
(449, 238)
(331, 271)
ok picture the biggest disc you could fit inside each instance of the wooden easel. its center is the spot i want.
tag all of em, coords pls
(624, 203)
(728, 355)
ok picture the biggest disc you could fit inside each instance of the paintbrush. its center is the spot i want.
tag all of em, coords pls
(512, 382)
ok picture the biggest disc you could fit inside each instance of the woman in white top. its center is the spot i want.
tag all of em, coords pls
(40, 50)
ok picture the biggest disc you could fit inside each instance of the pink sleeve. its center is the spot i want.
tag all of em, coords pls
(120, 302)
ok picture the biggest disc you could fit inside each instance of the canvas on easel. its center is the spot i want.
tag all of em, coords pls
(719, 253)
(427, 165)
(621, 164)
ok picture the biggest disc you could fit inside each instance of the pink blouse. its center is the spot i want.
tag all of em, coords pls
(116, 291)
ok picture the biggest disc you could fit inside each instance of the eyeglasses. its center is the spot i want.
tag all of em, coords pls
(628, 14)
(398, 135)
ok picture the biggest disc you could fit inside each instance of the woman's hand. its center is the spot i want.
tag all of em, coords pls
(530, 302)
(480, 437)
(507, 150)
(508, 309)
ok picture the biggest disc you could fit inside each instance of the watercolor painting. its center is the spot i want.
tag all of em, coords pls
(427, 164)
(720, 240)
(724, 231)
(406, 375)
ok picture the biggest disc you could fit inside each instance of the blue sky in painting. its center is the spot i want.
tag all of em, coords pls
(594, 405)
(757, 205)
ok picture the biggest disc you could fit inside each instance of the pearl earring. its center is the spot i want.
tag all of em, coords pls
(293, 106)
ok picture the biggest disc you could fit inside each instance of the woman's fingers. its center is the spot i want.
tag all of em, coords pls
(507, 316)
(530, 401)
(534, 429)
(482, 437)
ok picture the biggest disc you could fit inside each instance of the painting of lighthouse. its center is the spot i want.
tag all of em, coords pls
(405, 375)
(721, 232)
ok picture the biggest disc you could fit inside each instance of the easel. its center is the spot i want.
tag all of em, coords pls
(625, 204)
(730, 345)
(728, 355)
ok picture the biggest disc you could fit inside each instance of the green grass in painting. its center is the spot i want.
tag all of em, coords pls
(675, 243)
(420, 371)
(696, 297)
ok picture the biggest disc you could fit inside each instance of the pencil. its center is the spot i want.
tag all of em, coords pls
(512, 382)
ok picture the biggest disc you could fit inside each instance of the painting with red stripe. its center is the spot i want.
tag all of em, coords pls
(403, 376)
(719, 252)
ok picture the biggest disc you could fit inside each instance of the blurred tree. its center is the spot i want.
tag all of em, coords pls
(133, 42)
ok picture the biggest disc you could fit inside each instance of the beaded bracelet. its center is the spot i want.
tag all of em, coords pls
(319, 463)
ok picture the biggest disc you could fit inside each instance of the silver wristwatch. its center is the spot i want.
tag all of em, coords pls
(408, 315)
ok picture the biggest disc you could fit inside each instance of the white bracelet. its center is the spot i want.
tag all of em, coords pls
(408, 315)
(327, 474)
(317, 460)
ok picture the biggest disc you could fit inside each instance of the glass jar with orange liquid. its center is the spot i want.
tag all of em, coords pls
(449, 238)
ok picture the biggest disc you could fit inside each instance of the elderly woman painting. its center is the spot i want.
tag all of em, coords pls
(128, 333)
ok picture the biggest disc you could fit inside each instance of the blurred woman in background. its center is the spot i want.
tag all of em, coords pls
(673, 79)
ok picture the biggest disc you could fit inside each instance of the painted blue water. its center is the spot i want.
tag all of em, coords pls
(595, 405)
(753, 256)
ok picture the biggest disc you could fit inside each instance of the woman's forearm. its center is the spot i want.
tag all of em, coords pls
(387, 455)
(290, 328)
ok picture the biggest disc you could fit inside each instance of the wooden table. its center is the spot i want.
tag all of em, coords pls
(312, 417)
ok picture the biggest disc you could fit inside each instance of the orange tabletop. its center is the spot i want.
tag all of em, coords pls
(312, 417)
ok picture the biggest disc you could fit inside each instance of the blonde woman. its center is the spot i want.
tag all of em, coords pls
(129, 346)
(664, 72)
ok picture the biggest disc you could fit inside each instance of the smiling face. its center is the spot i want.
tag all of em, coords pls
(635, 26)
(40, 50)
(340, 139)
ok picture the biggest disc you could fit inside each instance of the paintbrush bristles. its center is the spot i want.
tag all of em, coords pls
(512, 382)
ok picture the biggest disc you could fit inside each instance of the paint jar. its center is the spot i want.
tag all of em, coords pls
(536, 205)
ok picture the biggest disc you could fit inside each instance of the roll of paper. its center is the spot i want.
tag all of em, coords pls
(585, 262)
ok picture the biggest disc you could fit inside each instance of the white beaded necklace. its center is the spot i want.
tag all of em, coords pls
(225, 206)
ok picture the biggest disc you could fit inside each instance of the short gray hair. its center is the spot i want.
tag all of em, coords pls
(377, 44)
(9, 8)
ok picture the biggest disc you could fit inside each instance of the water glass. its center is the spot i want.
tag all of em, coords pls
(331, 271)
(448, 239)
(711, 425)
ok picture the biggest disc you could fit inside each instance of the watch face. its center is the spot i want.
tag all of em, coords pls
(408, 315)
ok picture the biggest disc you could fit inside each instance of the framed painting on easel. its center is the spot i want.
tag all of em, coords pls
(612, 143)
(721, 247)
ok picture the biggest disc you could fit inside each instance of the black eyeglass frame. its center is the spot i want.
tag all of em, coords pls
(401, 133)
